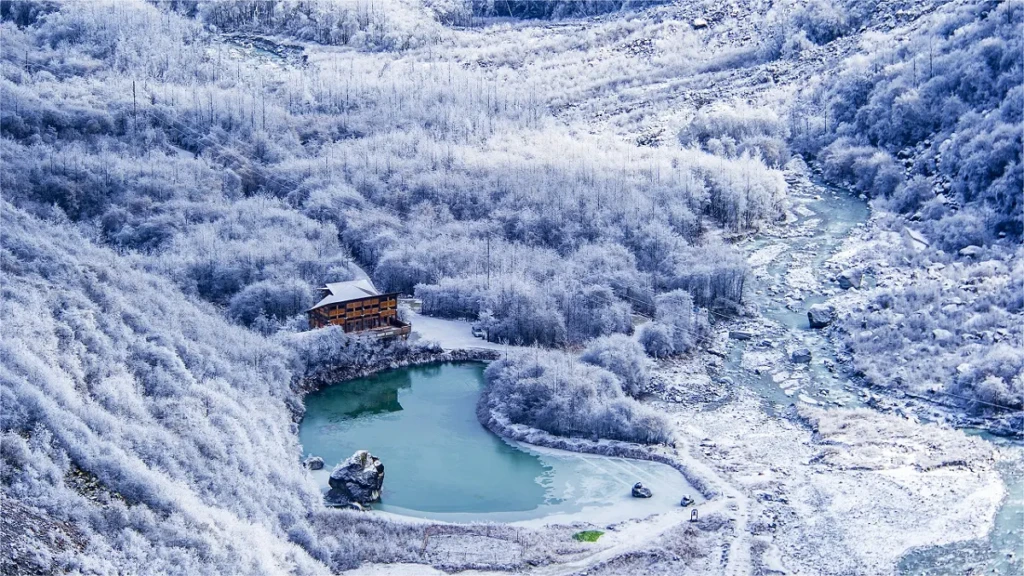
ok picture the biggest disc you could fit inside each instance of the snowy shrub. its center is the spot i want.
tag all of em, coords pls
(656, 339)
(950, 102)
(865, 168)
(910, 197)
(996, 377)
(318, 354)
(453, 298)
(622, 356)
(733, 130)
(556, 393)
(958, 231)
(822, 20)
(114, 373)
(552, 9)
(676, 312)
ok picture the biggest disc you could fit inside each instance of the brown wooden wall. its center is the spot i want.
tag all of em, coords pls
(357, 315)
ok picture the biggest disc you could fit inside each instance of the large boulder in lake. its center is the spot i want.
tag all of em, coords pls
(358, 479)
(820, 315)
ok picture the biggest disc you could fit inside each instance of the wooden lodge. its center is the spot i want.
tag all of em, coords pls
(356, 306)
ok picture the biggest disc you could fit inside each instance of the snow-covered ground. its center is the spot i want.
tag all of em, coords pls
(837, 505)
(450, 334)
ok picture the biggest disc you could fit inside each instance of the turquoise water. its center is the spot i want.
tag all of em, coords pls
(440, 462)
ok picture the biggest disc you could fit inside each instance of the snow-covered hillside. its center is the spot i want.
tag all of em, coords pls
(583, 177)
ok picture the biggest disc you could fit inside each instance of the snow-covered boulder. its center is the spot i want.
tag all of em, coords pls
(850, 278)
(358, 479)
(641, 491)
(686, 501)
(971, 251)
(699, 23)
(801, 356)
(314, 463)
(941, 335)
(820, 315)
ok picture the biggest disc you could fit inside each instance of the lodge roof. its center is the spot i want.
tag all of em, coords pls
(344, 291)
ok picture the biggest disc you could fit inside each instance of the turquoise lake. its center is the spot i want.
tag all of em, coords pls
(441, 463)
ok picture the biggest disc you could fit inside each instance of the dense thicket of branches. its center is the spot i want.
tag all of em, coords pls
(557, 393)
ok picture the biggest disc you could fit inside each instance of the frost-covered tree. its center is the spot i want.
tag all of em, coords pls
(557, 393)
(623, 356)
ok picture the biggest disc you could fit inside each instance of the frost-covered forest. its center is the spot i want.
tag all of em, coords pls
(178, 177)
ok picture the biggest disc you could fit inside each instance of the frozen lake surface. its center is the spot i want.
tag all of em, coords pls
(441, 463)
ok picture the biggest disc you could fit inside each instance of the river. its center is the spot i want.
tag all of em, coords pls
(789, 276)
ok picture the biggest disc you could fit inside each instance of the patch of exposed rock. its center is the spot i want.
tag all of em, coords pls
(357, 480)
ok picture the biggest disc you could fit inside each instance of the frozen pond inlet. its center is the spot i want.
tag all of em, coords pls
(441, 463)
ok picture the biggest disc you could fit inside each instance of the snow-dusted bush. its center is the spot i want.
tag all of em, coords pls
(678, 326)
(675, 310)
(948, 334)
(865, 168)
(318, 354)
(821, 20)
(623, 356)
(522, 313)
(557, 393)
(656, 339)
(733, 130)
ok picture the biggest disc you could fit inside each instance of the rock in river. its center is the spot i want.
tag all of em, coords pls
(801, 356)
(358, 479)
(314, 463)
(641, 491)
(820, 315)
(850, 279)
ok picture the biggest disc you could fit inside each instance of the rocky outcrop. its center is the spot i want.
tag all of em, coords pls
(801, 356)
(820, 315)
(850, 278)
(641, 491)
(358, 479)
(971, 251)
